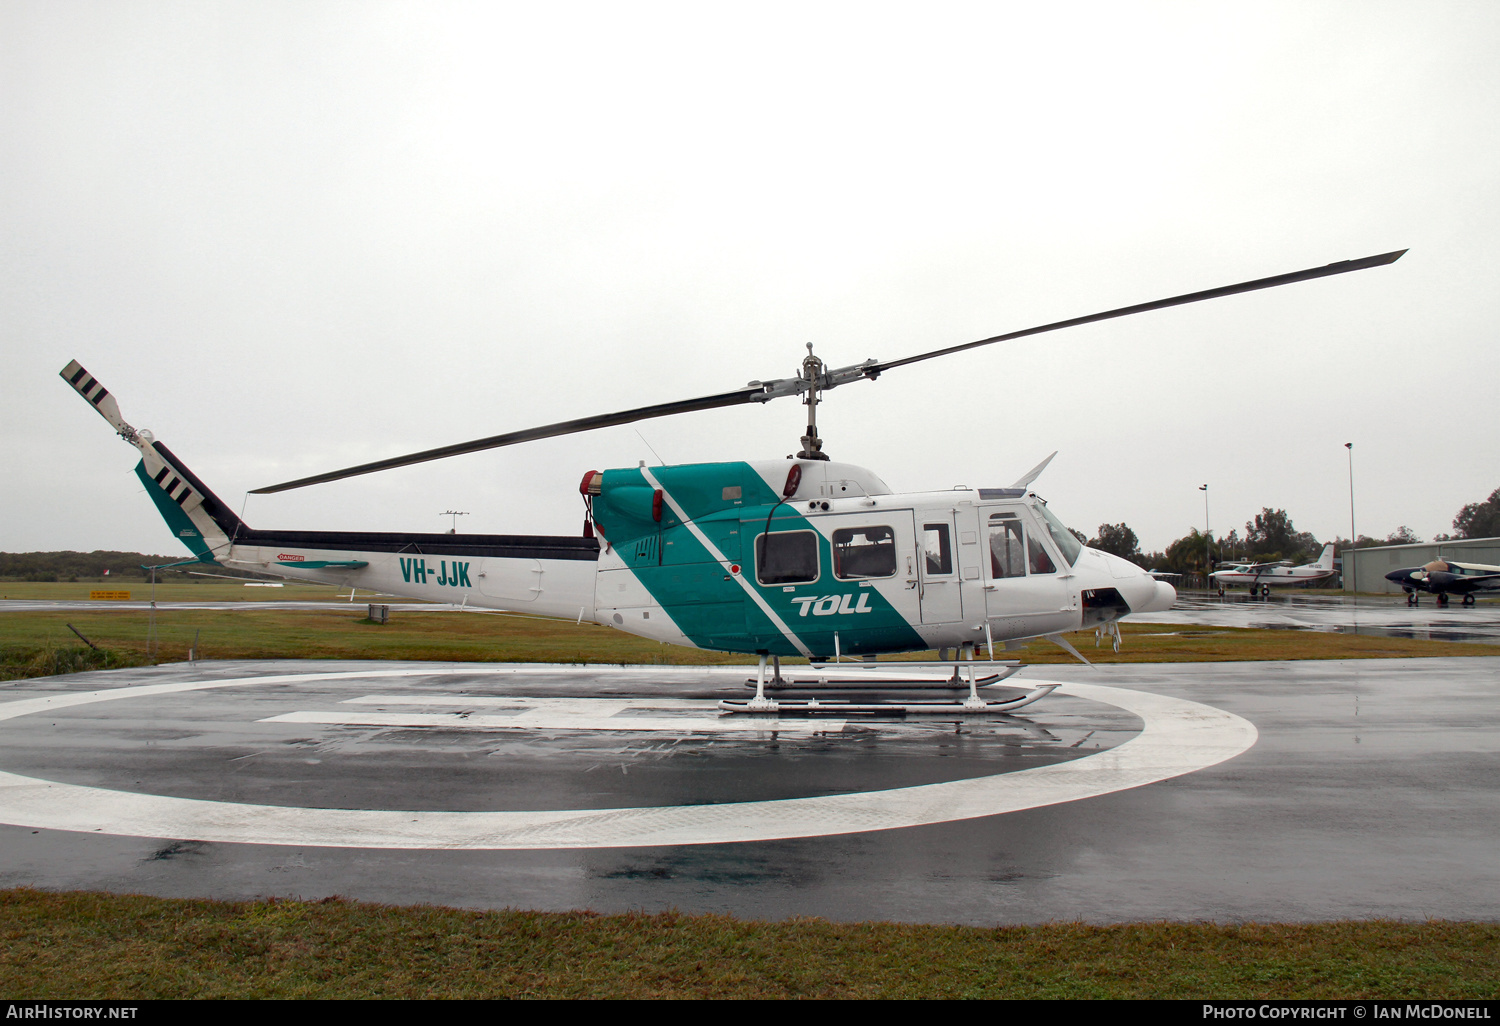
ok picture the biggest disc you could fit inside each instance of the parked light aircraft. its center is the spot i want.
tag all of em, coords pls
(1443, 577)
(1260, 576)
(802, 556)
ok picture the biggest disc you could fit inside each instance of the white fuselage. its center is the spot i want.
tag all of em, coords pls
(969, 569)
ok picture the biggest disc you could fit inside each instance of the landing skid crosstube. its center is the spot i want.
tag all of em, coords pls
(826, 678)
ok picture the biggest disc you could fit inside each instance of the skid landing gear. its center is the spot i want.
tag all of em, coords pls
(880, 692)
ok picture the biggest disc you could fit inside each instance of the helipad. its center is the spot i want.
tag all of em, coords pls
(1176, 737)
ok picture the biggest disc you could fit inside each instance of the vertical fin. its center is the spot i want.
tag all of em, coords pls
(196, 516)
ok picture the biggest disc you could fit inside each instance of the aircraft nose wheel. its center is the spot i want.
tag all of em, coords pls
(1411, 598)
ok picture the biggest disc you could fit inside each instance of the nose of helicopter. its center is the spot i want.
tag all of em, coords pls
(1148, 594)
(1142, 592)
(1160, 599)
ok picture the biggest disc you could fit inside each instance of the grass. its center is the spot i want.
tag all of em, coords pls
(40, 643)
(18, 662)
(86, 945)
(181, 589)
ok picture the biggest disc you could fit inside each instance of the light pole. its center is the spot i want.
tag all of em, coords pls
(1207, 558)
(1353, 538)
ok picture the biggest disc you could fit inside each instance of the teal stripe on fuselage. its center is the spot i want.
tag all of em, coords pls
(730, 503)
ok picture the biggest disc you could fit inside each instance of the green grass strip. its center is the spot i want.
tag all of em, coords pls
(41, 643)
(85, 945)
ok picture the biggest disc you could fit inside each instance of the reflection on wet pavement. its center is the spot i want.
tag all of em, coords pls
(1387, 616)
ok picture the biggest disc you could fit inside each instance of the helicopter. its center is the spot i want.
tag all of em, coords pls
(804, 556)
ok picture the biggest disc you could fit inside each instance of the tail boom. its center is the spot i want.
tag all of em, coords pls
(550, 576)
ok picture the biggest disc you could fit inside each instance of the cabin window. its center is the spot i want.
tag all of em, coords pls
(864, 552)
(786, 557)
(1007, 546)
(937, 551)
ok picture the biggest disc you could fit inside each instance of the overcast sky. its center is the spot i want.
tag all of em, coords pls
(290, 237)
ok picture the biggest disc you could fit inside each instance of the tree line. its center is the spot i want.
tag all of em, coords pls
(87, 566)
(1271, 536)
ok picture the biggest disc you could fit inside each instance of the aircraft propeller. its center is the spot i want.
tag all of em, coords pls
(813, 379)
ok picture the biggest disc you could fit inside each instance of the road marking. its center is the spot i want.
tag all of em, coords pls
(1178, 737)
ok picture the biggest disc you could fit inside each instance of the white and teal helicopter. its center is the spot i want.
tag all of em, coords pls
(796, 557)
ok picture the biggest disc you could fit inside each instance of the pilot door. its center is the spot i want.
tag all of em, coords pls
(1026, 593)
(937, 567)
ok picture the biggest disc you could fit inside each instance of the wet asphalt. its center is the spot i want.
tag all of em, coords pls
(1311, 610)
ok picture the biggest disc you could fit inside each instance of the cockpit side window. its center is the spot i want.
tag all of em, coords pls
(1007, 546)
(1037, 558)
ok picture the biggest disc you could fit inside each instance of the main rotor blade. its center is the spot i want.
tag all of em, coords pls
(1341, 267)
(567, 427)
(762, 392)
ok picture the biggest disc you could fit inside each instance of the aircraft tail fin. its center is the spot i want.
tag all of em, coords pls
(1325, 561)
(197, 516)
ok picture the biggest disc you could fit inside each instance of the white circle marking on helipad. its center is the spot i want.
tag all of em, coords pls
(1178, 737)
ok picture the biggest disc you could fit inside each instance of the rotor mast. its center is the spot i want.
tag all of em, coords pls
(812, 375)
